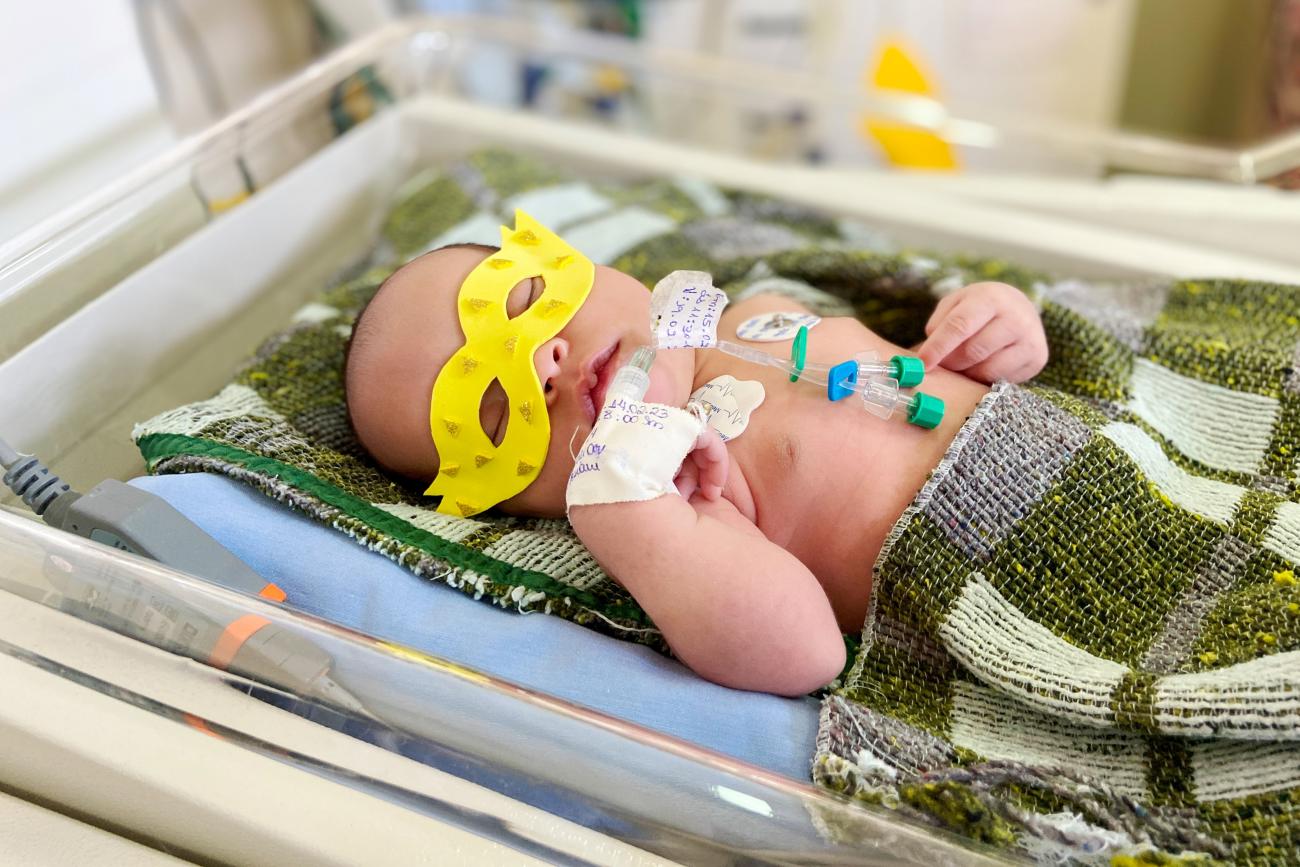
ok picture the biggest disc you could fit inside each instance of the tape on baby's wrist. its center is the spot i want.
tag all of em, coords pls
(632, 454)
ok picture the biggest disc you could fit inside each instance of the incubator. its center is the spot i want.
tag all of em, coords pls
(140, 299)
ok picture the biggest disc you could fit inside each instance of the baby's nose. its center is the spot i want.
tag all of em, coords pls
(548, 359)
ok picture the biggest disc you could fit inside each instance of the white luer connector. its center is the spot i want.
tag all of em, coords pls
(632, 380)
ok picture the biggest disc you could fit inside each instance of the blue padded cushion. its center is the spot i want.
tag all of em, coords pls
(329, 575)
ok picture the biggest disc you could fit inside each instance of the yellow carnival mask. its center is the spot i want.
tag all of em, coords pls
(474, 474)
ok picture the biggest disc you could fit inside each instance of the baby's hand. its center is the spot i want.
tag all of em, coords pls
(705, 468)
(988, 331)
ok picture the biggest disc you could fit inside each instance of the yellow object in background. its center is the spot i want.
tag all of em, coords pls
(905, 146)
(216, 206)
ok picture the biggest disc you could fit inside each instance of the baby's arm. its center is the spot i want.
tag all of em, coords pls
(736, 608)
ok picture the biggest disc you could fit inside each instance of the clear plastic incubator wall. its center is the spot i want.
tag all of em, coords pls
(149, 295)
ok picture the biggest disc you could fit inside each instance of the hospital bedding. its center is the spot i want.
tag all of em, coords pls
(1138, 358)
(1081, 642)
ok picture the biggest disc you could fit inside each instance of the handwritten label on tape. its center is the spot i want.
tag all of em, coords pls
(684, 311)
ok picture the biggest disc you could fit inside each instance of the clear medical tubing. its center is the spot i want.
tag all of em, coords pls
(881, 397)
(654, 791)
(633, 379)
(869, 363)
(879, 392)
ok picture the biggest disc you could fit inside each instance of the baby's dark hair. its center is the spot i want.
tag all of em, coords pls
(363, 334)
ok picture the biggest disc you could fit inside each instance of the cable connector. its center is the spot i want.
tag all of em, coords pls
(33, 481)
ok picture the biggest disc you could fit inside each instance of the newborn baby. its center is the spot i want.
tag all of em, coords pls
(753, 572)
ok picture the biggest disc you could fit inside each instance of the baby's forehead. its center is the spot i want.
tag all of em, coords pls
(441, 271)
(416, 307)
(428, 284)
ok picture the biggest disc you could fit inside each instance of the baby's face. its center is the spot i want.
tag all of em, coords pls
(411, 329)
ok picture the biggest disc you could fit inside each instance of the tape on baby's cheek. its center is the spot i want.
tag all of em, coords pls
(632, 454)
(685, 309)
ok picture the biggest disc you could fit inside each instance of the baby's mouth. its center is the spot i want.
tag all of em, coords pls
(599, 373)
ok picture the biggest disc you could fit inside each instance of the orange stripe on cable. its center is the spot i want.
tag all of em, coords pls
(192, 720)
(270, 591)
(234, 637)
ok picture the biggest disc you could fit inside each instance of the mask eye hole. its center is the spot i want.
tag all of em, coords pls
(523, 295)
(494, 412)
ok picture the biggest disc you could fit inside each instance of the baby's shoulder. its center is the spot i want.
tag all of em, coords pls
(770, 314)
(764, 302)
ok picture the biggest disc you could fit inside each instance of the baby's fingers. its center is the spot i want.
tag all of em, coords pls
(941, 311)
(1018, 362)
(710, 458)
(966, 319)
(688, 479)
(986, 345)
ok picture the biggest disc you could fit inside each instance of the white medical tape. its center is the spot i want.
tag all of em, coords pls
(728, 403)
(632, 454)
(685, 309)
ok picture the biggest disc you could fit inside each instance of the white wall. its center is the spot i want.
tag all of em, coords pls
(77, 104)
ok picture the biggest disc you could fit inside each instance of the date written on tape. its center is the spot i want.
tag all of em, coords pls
(684, 311)
(617, 413)
(621, 409)
(632, 453)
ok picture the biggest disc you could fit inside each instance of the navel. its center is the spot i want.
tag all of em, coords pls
(787, 453)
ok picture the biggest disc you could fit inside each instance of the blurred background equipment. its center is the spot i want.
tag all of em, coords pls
(208, 59)
(1284, 86)
(1042, 84)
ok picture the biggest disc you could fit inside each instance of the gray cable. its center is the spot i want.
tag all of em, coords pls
(130, 519)
(8, 457)
(30, 479)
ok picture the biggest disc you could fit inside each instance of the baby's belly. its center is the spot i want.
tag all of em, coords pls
(830, 480)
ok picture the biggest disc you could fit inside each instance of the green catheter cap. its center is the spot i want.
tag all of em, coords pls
(925, 410)
(799, 352)
(907, 369)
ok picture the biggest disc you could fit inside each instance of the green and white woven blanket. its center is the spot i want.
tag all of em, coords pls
(1085, 633)
(1082, 637)
(1085, 640)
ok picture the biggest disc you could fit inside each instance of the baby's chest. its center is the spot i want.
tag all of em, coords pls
(789, 405)
(795, 439)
